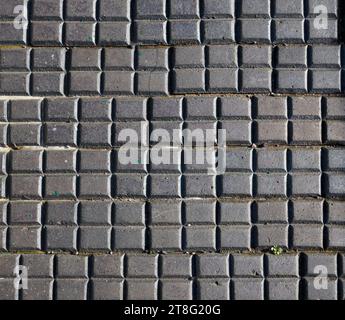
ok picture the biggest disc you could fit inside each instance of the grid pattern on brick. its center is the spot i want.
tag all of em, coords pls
(124, 22)
(204, 276)
(154, 71)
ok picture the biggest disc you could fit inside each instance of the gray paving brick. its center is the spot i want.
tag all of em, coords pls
(152, 32)
(60, 186)
(292, 57)
(273, 185)
(222, 80)
(49, 9)
(335, 108)
(45, 84)
(185, 9)
(95, 213)
(256, 80)
(153, 83)
(221, 56)
(61, 109)
(213, 289)
(107, 289)
(336, 236)
(218, 31)
(176, 289)
(25, 134)
(39, 289)
(14, 83)
(335, 132)
(11, 35)
(316, 294)
(94, 109)
(335, 159)
(58, 161)
(152, 9)
(305, 211)
(272, 212)
(46, 33)
(24, 213)
(306, 184)
(48, 59)
(239, 184)
(94, 186)
(237, 131)
(200, 237)
(325, 56)
(7, 290)
(61, 213)
(200, 211)
(235, 212)
(292, 80)
(209, 265)
(286, 265)
(95, 161)
(255, 30)
(61, 134)
(200, 185)
(292, 8)
(184, 31)
(223, 8)
(108, 266)
(29, 161)
(272, 131)
(80, 33)
(114, 10)
(271, 160)
(307, 236)
(24, 238)
(166, 238)
(319, 35)
(95, 238)
(247, 265)
(335, 212)
(331, 6)
(313, 261)
(71, 289)
(95, 134)
(174, 265)
(26, 187)
(15, 59)
(272, 235)
(256, 56)
(248, 289)
(335, 184)
(118, 82)
(24, 110)
(61, 238)
(283, 289)
(288, 30)
(236, 237)
(114, 33)
(129, 238)
(153, 58)
(142, 289)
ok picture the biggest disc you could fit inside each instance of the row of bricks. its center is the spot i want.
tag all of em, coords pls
(162, 185)
(237, 159)
(120, 10)
(178, 81)
(176, 108)
(203, 276)
(182, 30)
(171, 238)
(237, 132)
(171, 213)
(165, 58)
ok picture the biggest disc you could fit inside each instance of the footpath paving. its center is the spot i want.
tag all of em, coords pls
(172, 149)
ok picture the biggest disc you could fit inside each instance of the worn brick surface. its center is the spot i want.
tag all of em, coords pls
(88, 226)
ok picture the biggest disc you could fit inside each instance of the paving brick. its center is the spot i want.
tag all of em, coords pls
(142, 289)
(94, 109)
(214, 8)
(108, 266)
(107, 289)
(174, 265)
(115, 33)
(80, 33)
(273, 185)
(166, 238)
(292, 8)
(151, 32)
(305, 211)
(237, 131)
(306, 184)
(165, 185)
(335, 132)
(239, 184)
(306, 132)
(272, 131)
(95, 213)
(256, 56)
(71, 289)
(9, 8)
(7, 290)
(255, 30)
(61, 109)
(97, 186)
(307, 236)
(271, 212)
(312, 293)
(336, 236)
(286, 265)
(39, 289)
(131, 185)
(256, 80)
(176, 289)
(288, 30)
(235, 212)
(184, 31)
(292, 80)
(335, 159)
(248, 289)
(48, 59)
(200, 238)
(114, 10)
(46, 33)
(47, 9)
(95, 238)
(283, 289)
(15, 59)
(84, 83)
(222, 80)
(249, 8)
(200, 185)
(235, 237)
(25, 110)
(24, 238)
(118, 82)
(11, 35)
(28, 161)
(185, 9)
(152, 9)
(335, 108)
(239, 159)
(325, 56)
(326, 81)
(235, 107)
(313, 261)
(8, 263)
(165, 212)
(61, 134)
(142, 266)
(14, 83)
(153, 58)
(335, 184)
(95, 161)
(200, 212)
(210, 265)
(320, 35)
(213, 289)
(26, 187)
(61, 213)
(271, 160)
(45, 84)
(58, 161)
(335, 212)
(272, 235)
(291, 57)
(95, 134)
(189, 80)
(153, 83)
(61, 238)
(24, 213)
(60, 187)
(129, 238)
(219, 31)
(247, 265)
(331, 6)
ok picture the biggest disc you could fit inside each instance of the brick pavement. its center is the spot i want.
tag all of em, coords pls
(88, 226)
